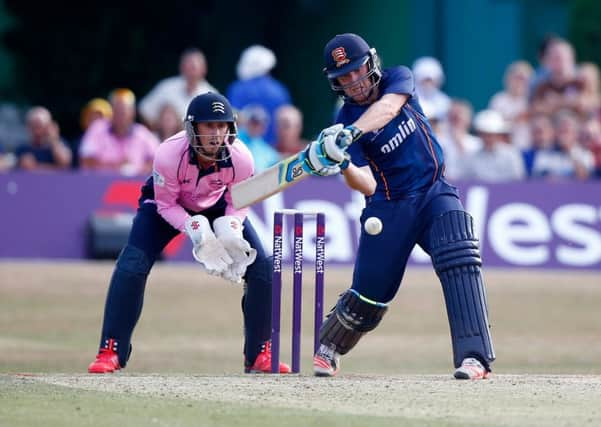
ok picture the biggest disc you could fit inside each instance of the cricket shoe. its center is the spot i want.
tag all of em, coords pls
(471, 369)
(262, 363)
(107, 360)
(326, 362)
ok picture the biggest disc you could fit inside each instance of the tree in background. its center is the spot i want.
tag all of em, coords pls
(585, 29)
(7, 65)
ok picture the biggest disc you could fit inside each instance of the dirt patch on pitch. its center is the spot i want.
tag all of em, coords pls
(502, 400)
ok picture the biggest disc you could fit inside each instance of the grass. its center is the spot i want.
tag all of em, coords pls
(50, 316)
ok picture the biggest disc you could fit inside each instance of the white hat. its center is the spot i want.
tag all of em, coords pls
(428, 67)
(255, 61)
(490, 121)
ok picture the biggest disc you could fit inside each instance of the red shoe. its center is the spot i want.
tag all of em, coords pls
(107, 360)
(262, 363)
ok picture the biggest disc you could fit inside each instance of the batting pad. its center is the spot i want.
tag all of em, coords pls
(352, 318)
(456, 259)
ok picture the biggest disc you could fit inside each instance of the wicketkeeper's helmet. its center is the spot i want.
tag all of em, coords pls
(209, 107)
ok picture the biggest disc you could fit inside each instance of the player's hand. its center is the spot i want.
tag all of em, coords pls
(228, 230)
(347, 136)
(207, 250)
(324, 157)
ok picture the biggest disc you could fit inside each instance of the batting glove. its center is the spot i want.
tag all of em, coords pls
(323, 156)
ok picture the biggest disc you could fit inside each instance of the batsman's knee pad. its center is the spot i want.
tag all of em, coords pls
(134, 260)
(456, 259)
(353, 316)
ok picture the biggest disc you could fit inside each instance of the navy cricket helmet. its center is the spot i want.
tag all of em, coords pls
(205, 108)
(348, 52)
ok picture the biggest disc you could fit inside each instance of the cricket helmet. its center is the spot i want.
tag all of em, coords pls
(348, 52)
(206, 108)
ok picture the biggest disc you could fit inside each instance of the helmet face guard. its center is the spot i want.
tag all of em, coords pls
(195, 141)
(346, 53)
(210, 108)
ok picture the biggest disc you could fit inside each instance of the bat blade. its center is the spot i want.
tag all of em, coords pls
(270, 181)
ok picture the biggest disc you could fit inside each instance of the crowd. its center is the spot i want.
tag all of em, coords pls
(544, 124)
(120, 134)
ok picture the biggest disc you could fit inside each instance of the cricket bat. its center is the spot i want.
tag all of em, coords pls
(270, 181)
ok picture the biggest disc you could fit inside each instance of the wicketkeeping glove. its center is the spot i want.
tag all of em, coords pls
(207, 250)
(228, 230)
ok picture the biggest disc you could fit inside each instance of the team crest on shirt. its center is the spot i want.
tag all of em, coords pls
(158, 178)
(218, 107)
(339, 55)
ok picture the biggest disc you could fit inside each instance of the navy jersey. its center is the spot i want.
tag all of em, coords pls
(404, 156)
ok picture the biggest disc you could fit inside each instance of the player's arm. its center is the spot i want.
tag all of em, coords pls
(378, 115)
(381, 112)
(360, 178)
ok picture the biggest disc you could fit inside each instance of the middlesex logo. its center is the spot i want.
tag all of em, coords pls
(218, 107)
(339, 55)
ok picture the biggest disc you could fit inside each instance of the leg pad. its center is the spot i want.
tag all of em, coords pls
(353, 316)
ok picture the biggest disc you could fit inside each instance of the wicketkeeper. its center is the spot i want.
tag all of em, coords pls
(188, 193)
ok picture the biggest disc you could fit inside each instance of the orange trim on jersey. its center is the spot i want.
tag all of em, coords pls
(430, 145)
(381, 173)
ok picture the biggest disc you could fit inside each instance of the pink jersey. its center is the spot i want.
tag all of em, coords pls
(111, 152)
(180, 183)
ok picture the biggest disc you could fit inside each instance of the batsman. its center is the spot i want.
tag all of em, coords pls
(383, 145)
(187, 193)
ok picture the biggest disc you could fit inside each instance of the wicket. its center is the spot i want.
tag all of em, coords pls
(297, 271)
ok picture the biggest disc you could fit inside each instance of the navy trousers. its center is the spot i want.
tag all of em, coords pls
(149, 235)
(382, 259)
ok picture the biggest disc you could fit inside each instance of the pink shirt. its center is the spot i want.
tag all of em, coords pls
(180, 183)
(112, 152)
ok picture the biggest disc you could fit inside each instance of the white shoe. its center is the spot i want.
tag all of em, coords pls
(471, 369)
(326, 362)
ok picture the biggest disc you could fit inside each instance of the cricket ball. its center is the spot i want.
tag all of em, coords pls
(373, 225)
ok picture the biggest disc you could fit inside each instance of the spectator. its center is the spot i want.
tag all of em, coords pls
(496, 161)
(456, 141)
(561, 88)
(253, 122)
(429, 78)
(45, 149)
(575, 160)
(169, 122)
(97, 108)
(591, 139)
(7, 160)
(119, 144)
(512, 102)
(542, 138)
(589, 102)
(567, 159)
(177, 90)
(541, 73)
(256, 86)
(289, 128)
(12, 127)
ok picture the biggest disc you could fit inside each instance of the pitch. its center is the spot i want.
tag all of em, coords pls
(187, 361)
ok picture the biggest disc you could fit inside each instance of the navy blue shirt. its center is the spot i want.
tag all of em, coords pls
(41, 154)
(404, 156)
